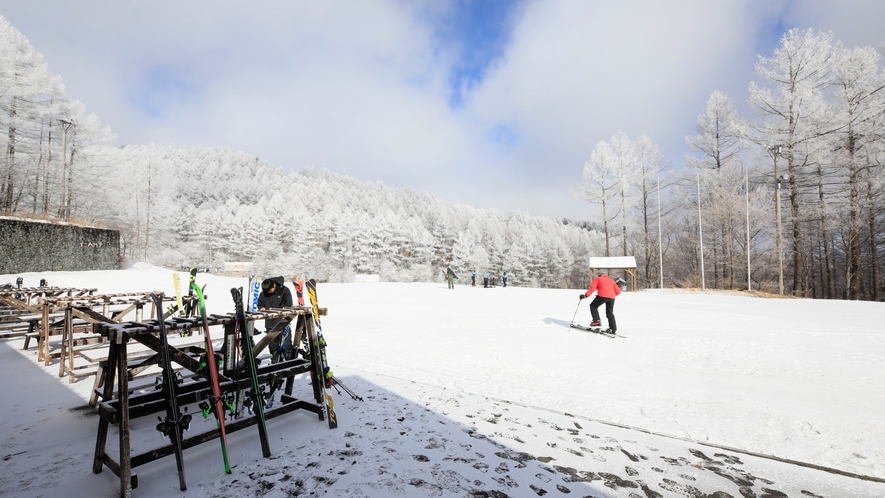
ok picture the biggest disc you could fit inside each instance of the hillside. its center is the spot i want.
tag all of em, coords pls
(184, 207)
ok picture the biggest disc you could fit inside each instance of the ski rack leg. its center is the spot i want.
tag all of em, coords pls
(103, 423)
(126, 477)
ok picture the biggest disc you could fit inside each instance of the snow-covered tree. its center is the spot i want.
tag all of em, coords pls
(602, 175)
(794, 116)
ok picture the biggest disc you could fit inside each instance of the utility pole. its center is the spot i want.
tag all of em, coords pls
(775, 151)
(65, 126)
(701, 234)
(660, 237)
(747, 193)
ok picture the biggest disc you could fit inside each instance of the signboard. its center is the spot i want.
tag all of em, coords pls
(238, 266)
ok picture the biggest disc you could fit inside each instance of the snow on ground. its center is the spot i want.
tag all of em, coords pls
(487, 392)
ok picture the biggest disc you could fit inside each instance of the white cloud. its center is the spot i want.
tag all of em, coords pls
(362, 88)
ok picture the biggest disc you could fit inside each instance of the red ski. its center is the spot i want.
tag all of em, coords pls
(213, 376)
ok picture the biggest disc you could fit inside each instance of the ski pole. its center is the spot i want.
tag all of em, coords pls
(336, 383)
(576, 311)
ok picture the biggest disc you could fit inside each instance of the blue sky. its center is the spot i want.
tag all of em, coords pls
(496, 104)
(479, 31)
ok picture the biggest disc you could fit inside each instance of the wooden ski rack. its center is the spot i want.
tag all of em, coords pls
(78, 314)
(119, 407)
(20, 312)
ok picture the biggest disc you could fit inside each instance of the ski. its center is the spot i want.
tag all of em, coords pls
(176, 280)
(216, 398)
(176, 422)
(299, 291)
(255, 397)
(252, 293)
(280, 354)
(321, 366)
(595, 330)
(192, 281)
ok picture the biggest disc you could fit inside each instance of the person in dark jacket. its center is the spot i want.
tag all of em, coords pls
(606, 291)
(451, 277)
(274, 294)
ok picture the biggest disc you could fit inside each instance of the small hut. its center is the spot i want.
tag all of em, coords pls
(626, 263)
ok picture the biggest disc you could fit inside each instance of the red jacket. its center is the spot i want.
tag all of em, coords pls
(604, 287)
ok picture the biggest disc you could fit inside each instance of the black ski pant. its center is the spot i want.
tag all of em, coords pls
(281, 347)
(609, 310)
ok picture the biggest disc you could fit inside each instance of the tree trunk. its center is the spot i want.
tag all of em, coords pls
(9, 186)
(852, 269)
(828, 265)
(798, 259)
(608, 251)
(874, 254)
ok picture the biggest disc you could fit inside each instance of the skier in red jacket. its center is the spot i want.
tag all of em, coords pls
(606, 291)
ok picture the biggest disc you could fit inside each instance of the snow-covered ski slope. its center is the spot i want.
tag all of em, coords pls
(478, 390)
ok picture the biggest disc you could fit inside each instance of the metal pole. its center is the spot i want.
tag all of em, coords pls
(660, 237)
(747, 191)
(64, 167)
(701, 233)
(62, 209)
(778, 236)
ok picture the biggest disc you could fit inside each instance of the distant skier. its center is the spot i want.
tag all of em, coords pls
(504, 279)
(606, 291)
(473, 278)
(451, 277)
(485, 279)
(274, 294)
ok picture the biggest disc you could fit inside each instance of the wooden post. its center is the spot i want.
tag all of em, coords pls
(123, 396)
(110, 371)
(67, 343)
(44, 331)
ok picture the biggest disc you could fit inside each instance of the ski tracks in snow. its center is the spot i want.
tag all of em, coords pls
(437, 442)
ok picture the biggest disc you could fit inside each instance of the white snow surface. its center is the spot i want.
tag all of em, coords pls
(488, 392)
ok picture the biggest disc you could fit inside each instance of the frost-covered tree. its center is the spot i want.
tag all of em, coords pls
(649, 168)
(25, 84)
(717, 148)
(601, 185)
(627, 167)
(859, 105)
(793, 111)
